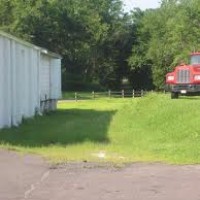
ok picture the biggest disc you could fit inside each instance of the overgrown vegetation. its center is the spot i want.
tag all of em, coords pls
(94, 37)
(152, 128)
(101, 44)
(165, 37)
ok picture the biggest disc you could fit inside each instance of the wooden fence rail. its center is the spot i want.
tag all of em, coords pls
(110, 94)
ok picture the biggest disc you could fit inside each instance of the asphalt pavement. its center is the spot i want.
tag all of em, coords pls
(30, 177)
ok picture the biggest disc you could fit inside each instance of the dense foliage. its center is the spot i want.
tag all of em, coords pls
(165, 37)
(102, 45)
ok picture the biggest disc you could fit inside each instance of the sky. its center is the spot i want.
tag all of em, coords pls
(142, 4)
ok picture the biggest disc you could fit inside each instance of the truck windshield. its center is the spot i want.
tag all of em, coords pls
(195, 59)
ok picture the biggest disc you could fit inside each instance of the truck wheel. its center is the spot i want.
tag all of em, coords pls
(174, 95)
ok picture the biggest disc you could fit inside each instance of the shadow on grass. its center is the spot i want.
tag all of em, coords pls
(63, 127)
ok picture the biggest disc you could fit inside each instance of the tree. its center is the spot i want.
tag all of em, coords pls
(165, 36)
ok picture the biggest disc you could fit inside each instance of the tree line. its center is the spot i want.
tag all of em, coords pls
(104, 47)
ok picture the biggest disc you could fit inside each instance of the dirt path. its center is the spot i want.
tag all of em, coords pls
(31, 178)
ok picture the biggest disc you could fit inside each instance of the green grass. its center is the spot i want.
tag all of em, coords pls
(150, 129)
(80, 95)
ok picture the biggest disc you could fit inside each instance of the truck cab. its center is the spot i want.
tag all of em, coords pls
(185, 79)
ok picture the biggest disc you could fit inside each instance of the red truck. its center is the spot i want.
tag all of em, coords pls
(185, 79)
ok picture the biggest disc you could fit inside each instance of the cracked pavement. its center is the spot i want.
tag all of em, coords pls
(30, 177)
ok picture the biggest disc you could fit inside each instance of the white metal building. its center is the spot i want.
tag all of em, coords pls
(30, 80)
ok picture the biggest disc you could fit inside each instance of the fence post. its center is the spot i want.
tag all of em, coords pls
(109, 93)
(122, 93)
(76, 96)
(133, 93)
(93, 94)
(142, 93)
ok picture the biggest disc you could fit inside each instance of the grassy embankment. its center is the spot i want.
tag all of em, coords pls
(150, 129)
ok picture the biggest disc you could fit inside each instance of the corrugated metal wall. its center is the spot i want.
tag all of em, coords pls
(55, 74)
(45, 78)
(27, 77)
